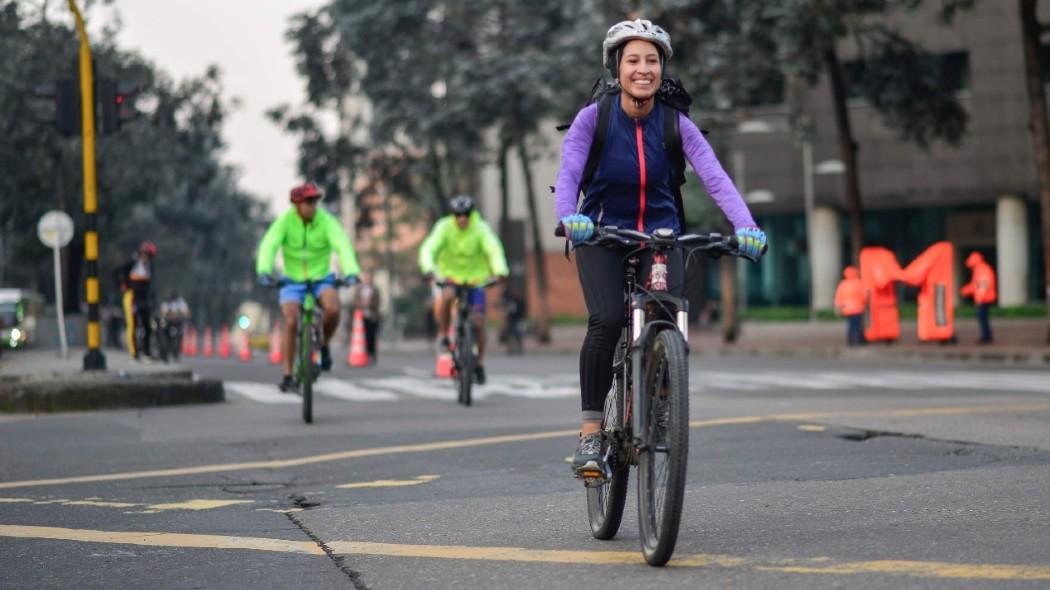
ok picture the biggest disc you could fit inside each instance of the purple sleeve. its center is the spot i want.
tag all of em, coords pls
(703, 160)
(574, 152)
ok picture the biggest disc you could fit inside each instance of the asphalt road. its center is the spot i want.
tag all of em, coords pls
(802, 474)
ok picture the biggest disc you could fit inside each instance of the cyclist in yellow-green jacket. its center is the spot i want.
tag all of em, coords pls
(463, 249)
(306, 234)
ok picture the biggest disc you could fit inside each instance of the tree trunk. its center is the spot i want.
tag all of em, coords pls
(504, 187)
(1037, 114)
(436, 178)
(847, 151)
(543, 330)
(727, 311)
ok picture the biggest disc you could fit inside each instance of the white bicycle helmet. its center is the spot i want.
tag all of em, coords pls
(628, 30)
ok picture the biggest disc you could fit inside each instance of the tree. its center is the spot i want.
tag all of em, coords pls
(1031, 34)
(160, 178)
(897, 77)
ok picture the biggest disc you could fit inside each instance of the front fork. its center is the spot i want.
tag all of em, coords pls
(639, 402)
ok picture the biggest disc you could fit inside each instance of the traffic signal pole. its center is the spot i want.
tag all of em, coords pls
(94, 360)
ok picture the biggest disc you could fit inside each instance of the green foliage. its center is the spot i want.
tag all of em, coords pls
(159, 178)
(898, 77)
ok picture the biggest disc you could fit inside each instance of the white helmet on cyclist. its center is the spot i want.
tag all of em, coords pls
(629, 30)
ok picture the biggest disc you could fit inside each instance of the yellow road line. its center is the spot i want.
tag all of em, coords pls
(812, 428)
(819, 565)
(197, 504)
(388, 483)
(510, 438)
(150, 508)
(924, 569)
(154, 539)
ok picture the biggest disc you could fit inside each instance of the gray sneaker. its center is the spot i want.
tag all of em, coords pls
(587, 462)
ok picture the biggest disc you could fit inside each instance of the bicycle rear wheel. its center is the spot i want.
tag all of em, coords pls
(665, 446)
(605, 501)
(465, 351)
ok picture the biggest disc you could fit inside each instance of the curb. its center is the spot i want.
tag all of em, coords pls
(107, 391)
(1000, 357)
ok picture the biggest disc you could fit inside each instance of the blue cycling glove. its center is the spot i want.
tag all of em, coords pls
(751, 241)
(351, 280)
(578, 227)
(266, 280)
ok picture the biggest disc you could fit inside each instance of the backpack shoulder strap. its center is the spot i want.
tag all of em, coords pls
(673, 147)
(601, 131)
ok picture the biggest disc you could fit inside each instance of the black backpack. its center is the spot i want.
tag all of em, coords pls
(671, 94)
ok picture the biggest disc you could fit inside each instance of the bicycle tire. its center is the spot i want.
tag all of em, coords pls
(465, 350)
(605, 502)
(658, 522)
(306, 360)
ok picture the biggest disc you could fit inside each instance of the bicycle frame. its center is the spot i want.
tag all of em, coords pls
(638, 302)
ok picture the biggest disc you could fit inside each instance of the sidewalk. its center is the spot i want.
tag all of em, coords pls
(37, 380)
(1017, 341)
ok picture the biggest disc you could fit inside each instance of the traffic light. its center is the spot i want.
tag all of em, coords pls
(117, 102)
(63, 110)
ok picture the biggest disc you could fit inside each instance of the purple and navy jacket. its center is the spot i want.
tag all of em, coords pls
(631, 187)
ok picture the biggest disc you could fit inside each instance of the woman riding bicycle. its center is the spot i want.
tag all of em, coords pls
(632, 187)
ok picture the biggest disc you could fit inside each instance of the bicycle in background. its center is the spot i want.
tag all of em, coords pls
(464, 349)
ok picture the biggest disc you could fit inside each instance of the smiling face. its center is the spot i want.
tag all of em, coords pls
(640, 71)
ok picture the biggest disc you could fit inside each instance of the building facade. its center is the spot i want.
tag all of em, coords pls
(980, 195)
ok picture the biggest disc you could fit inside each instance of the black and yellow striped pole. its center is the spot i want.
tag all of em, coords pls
(94, 360)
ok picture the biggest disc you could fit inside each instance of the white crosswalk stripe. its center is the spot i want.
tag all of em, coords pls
(417, 384)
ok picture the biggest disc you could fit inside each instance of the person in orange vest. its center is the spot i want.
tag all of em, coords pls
(850, 300)
(982, 288)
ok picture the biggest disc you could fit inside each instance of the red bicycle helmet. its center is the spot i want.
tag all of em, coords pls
(148, 247)
(304, 191)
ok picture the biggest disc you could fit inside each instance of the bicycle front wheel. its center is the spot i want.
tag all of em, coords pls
(307, 347)
(665, 446)
(465, 350)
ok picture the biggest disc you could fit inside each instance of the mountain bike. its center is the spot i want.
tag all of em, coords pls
(646, 416)
(464, 350)
(307, 364)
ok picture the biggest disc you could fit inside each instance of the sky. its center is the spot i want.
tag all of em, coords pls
(245, 38)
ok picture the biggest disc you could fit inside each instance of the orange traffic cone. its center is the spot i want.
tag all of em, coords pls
(444, 361)
(224, 341)
(209, 342)
(358, 356)
(186, 341)
(275, 344)
(245, 353)
(193, 341)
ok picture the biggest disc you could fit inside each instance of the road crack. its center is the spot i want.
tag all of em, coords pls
(340, 560)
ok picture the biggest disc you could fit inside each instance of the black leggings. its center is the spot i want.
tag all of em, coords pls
(601, 276)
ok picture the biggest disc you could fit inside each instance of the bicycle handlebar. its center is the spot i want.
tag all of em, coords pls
(285, 281)
(714, 244)
(485, 285)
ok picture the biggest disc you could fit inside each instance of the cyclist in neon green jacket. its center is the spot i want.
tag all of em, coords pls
(462, 248)
(306, 234)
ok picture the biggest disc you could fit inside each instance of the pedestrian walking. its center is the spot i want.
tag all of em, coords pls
(982, 288)
(850, 301)
(366, 298)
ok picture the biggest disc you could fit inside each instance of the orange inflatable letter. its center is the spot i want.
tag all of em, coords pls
(879, 270)
(933, 273)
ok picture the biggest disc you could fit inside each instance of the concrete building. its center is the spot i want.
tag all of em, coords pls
(980, 195)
